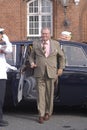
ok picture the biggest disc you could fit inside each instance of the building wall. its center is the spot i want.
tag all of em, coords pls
(13, 17)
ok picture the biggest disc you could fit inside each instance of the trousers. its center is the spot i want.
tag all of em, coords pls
(2, 95)
(45, 90)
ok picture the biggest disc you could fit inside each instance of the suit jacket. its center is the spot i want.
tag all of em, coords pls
(54, 61)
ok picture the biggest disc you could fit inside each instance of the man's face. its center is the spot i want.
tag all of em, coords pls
(65, 37)
(45, 34)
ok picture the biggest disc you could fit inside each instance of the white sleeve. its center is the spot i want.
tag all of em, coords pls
(8, 66)
(8, 44)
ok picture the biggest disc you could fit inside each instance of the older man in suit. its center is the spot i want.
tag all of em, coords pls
(48, 62)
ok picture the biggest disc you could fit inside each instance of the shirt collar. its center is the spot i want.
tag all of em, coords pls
(48, 42)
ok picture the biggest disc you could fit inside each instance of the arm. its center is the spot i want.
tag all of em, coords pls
(32, 56)
(61, 61)
(8, 47)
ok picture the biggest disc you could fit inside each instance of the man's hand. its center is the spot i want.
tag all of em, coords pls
(60, 71)
(33, 65)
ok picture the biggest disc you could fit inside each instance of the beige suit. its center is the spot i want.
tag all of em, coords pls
(45, 73)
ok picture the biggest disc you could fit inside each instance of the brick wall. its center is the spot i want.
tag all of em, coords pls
(13, 18)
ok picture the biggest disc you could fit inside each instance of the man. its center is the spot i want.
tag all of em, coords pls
(4, 49)
(44, 58)
(65, 36)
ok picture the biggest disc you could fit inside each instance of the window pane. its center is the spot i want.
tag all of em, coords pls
(75, 56)
(33, 25)
(46, 21)
(33, 7)
(11, 57)
(46, 6)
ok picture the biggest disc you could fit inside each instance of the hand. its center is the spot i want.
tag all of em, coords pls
(60, 71)
(10, 67)
(2, 51)
(56, 78)
(5, 38)
(33, 65)
(23, 69)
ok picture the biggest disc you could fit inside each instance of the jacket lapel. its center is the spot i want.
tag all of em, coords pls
(40, 47)
(51, 47)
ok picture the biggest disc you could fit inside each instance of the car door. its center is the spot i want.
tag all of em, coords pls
(72, 88)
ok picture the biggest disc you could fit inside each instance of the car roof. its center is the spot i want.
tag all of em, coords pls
(22, 42)
(26, 42)
(72, 42)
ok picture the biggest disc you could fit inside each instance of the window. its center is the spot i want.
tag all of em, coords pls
(75, 56)
(11, 57)
(39, 14)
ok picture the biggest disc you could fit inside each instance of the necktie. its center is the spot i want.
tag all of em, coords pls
(46, 49)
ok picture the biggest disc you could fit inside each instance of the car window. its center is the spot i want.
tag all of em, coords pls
(75, 56)
(11, 57)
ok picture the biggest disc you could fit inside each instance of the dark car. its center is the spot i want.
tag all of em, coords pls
(71, 89)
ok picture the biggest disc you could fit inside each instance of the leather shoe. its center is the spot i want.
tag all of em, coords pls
(3, 123)
(41, 120)
(46, 117)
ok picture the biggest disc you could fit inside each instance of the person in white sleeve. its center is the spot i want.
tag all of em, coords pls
(4, 49)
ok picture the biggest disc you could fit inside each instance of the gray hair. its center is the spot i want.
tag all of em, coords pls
(45, 28)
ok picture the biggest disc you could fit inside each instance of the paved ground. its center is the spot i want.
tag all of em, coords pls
(62, 119)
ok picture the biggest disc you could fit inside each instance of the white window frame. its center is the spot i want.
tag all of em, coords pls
(39, 14)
